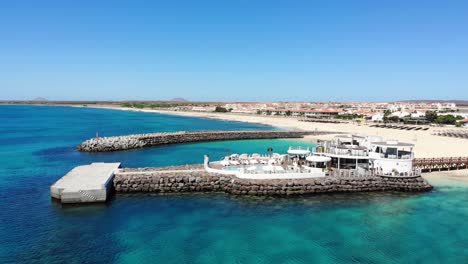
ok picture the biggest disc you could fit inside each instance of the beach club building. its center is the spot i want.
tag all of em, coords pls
(323, 113)
(364, 153)
(343, 155)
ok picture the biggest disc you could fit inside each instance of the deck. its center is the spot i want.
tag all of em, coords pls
(85, 184)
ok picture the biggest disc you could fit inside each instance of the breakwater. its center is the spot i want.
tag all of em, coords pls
(189, 179)
(107, 144)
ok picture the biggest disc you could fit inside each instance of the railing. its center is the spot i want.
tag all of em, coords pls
(441, 161)
(393, 156)
(298, 148)
(429, 164)
(337, 151)
(370, 173)
(266, 174)
(350, 173)
(284, 171)
(413, 173)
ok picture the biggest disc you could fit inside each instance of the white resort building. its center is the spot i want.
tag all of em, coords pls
(344, 155)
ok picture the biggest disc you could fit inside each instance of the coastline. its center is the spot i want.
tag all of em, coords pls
(457, 178)
(426, 144)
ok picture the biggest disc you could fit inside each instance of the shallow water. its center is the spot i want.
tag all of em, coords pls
(37, 148)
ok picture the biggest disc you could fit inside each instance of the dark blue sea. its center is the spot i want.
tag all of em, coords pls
(37, 147)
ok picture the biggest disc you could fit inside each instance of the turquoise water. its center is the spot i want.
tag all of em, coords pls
(37, 148)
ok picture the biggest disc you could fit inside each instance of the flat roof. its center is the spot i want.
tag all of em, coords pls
(85, 179)
(392, 144)
(348, 136)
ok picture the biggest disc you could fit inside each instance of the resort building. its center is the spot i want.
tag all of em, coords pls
(343, 155)
(323, 113)
(368, 153)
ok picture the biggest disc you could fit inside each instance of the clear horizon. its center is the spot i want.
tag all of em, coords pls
(234, 51)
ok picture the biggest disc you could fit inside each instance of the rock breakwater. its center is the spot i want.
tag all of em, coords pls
(107, 144)
(181, 180)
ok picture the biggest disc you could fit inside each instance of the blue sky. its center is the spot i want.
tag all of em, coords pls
(242, 50)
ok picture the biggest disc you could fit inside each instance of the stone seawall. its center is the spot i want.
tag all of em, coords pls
(186, 180)
(106, 144)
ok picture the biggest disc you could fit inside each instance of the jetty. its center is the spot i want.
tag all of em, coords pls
(438, 164)
(85, 184)
(91, 183)
(117, 143)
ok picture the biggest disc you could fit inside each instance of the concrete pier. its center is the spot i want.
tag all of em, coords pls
(85, 184)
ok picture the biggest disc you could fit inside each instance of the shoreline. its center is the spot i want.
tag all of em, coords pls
(457, 178)
(426, 144)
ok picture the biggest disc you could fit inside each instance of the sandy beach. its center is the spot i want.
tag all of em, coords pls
(450, 178)
(426, 144)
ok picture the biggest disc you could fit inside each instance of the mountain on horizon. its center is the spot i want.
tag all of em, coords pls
(179, 99)
(40, 99)
(456, 101)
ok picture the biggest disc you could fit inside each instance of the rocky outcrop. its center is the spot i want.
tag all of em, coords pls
(197, 180)
(106, 144)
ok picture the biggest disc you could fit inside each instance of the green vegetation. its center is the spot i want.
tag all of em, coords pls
(387, 113)
(220, 109)
(448, 119)
(349, 117)
(431, 116)
(126, 105)
(149, 105)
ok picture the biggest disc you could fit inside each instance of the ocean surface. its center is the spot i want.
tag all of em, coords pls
(37, 147)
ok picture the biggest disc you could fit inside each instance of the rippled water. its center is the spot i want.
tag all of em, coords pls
(37, 148)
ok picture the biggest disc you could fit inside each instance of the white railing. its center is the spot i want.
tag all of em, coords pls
(393, 156)
(298, 148)
(416, 172)
(267, 174)
(370, 173)
(346, 152)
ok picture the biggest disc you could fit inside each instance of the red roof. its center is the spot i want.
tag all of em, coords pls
(326, 110)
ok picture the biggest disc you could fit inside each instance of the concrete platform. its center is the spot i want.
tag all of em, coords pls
(85, 184)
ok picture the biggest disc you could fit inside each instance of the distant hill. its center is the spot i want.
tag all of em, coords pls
(178, 99)
(458, 102)
(40, 99)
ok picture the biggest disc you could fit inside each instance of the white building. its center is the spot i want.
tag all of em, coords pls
(377, 117)
(361, 153)
(400, 114)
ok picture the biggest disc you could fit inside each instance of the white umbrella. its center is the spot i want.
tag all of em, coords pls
(318, 159)
(298, 151)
